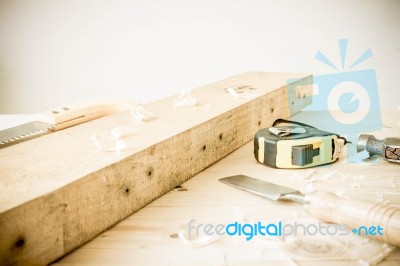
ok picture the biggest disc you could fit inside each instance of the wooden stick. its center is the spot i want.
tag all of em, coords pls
(58, 191)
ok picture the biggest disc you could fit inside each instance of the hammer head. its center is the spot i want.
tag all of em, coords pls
(388, 148)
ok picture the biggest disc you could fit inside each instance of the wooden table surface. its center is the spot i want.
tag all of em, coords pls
(151, 235)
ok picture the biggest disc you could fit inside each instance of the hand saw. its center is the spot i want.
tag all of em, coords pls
(61, 118)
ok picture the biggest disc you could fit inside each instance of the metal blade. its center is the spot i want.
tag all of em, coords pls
(23, 132)
(259, 187)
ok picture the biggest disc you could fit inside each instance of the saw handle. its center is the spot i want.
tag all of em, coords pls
(71, 115)
(330, 208)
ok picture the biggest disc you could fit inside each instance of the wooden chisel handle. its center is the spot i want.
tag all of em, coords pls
(362, 216)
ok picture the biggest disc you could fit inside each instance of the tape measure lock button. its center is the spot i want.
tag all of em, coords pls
(303, 154)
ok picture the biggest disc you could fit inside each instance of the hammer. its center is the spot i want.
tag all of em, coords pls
(388, 148)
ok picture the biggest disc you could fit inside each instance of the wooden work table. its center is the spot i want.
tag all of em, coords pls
(151, 235)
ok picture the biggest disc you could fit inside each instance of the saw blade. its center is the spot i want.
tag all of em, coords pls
(23, 132)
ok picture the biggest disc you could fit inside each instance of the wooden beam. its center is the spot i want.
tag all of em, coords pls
(59, 191)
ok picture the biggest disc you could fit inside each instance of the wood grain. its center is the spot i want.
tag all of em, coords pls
(59, 191)
(149, 236)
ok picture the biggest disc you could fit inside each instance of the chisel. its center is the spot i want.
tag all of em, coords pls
(330, 208)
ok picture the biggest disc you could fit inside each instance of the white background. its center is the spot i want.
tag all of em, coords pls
(54, 53)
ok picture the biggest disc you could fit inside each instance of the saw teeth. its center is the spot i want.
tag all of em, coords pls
(27, 135)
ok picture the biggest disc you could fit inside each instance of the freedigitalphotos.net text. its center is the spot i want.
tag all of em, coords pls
(279, 229)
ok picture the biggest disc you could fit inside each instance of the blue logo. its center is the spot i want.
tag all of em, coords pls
(347, 100)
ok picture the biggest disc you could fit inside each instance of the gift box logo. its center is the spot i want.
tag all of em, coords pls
(347, 100)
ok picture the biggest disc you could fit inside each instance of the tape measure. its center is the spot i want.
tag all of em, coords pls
(290, 144)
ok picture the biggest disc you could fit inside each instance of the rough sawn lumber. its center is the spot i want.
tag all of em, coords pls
(58, 191)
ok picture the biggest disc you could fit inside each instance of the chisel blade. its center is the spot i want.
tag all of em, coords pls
(259, 187)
